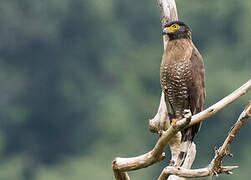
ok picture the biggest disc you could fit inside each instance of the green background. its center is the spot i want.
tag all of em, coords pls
(80, 79)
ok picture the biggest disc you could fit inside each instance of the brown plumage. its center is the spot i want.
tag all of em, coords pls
(182, 77)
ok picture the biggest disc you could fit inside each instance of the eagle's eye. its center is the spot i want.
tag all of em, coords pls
(175, 26)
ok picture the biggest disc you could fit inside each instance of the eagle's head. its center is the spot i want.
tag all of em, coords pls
(177, 30)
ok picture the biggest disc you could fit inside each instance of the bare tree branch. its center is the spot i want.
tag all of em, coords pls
(224, 149)
(214, 168)
(157, 154)
(161, 121)
(191, 173)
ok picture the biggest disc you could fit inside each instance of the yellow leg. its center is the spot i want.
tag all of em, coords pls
(174, 121)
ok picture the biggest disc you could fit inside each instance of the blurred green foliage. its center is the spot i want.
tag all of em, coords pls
(80, 79)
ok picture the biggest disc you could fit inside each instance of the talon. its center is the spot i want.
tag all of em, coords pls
(171, 163)
(174, 121)
(187, 113)
(160, 132)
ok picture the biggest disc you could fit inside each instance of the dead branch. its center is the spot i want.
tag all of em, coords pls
(161, 121)
(157, 154)
(191, 173)
(224, 149)
(214, 168)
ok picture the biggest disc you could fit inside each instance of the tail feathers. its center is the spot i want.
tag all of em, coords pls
(185, 145)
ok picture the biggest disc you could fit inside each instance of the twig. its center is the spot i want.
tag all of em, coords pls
(224, 149)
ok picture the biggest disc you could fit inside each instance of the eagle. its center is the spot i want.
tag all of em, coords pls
(182, 79)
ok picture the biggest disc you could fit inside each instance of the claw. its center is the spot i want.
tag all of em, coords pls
(174, 121)
(160, 132)
(187, 114)
(171, 163)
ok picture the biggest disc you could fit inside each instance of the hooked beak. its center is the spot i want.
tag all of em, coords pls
(165, 31)
(168, 30)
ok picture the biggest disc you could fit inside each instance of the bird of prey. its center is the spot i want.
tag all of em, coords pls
(182, 78)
